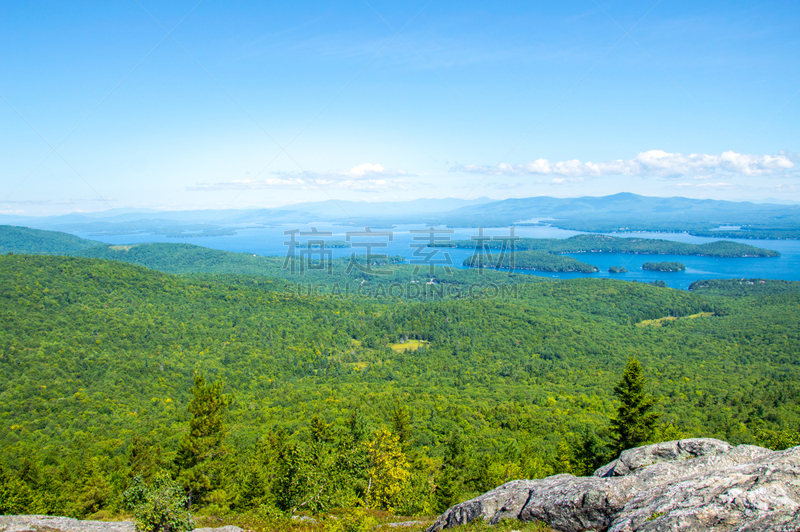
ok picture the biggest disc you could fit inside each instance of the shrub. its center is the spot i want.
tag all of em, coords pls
(160, 506)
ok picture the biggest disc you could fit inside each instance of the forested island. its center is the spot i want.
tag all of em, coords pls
(617, 269)
(668, 266)
(530, 260)
(611, 244)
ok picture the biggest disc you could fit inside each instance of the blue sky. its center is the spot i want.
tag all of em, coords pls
(249, 104)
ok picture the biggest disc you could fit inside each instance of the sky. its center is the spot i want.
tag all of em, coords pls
(208, 104)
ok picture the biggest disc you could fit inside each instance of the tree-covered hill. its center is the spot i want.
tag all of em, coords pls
(95, 354)
(745, 287)
(15, 239)
(185, 258)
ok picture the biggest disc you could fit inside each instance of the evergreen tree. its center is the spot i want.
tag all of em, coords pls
(588, 454)
(201, 449)
(401, 426)
(451, 477)
(253, 483)
(357, 426)
(352, 454)
(291, 482)
(144, 459)
(320, 431)
(635, 422)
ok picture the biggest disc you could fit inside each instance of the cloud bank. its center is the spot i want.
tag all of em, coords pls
(365, 177)
(653, 163)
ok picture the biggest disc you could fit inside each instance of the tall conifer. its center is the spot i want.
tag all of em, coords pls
(201, 449)
(635, 421)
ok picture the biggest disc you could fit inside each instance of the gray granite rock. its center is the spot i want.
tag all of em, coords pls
(759, 494)
(42, 523)
(685, 485)
(671, 451)
(21, 523)
(227, 528)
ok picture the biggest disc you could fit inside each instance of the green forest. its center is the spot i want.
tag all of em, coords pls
(99, 358)
(15, 239)
(254, 397)
(745, 287)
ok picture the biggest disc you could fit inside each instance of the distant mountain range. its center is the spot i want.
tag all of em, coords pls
(126, 221)
(630, 212)
(615, 213)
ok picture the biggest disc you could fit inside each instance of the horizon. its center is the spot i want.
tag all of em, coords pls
(192, 106)
(367, 201)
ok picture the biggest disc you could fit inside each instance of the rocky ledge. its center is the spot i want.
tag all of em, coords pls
(685, 485)
(50, 523)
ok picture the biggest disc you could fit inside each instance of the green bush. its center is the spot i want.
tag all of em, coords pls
(160, 506)
(354, 520)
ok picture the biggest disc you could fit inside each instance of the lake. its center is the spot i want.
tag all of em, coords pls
(269, 240)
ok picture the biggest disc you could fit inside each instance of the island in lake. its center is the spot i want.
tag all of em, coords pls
(617, 269)
(664, 266)
(612, 244)
(530, 260)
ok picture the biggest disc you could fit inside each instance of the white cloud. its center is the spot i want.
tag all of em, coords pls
(366, 169)
(652, 163)
(365, 177)
(715, 185)
(564, 180)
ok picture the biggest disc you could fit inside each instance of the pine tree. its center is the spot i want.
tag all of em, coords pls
(357, 427)
(201, 449)
(320, 431)
(401, 426)
(635, 422)
(450, 481)
(588, 454)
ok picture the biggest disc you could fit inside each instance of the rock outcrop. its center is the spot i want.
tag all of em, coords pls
(685, 485)
(29, 523)
(50, 523)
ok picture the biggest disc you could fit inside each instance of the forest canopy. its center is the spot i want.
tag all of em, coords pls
(99, 359)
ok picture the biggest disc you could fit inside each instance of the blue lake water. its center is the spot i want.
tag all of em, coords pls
(270, 241)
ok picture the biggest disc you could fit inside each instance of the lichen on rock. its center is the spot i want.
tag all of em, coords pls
(684, 485)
